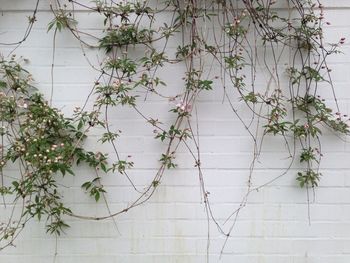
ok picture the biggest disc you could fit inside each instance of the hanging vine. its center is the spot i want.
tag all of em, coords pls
(224, 44)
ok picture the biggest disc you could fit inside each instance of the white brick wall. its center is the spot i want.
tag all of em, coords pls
(172, 226)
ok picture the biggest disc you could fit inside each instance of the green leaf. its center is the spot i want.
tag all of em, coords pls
(15, 184)
(70, 171)
(86, 185)
(103, 167)
(3, 84)
(97, 196)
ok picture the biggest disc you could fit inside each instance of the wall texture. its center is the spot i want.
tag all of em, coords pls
(172, 227)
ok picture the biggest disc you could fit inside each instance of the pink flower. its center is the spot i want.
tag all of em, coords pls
(188, 108)
(184, 107)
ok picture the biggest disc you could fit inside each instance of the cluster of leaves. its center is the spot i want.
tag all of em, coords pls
(121, 31)
(63, 19)
(125, 35)
(44, 144)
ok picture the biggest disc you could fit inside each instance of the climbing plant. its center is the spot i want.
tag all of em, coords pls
(223, 44)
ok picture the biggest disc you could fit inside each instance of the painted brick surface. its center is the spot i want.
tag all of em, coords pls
(172, 227)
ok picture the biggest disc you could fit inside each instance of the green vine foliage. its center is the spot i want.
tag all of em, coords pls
(45, 145)
(42, 143)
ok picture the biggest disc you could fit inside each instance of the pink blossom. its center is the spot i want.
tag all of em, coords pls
(182, 106)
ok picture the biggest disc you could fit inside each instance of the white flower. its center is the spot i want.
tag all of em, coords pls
(22, 104)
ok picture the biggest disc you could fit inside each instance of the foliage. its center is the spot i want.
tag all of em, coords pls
(45, 143)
